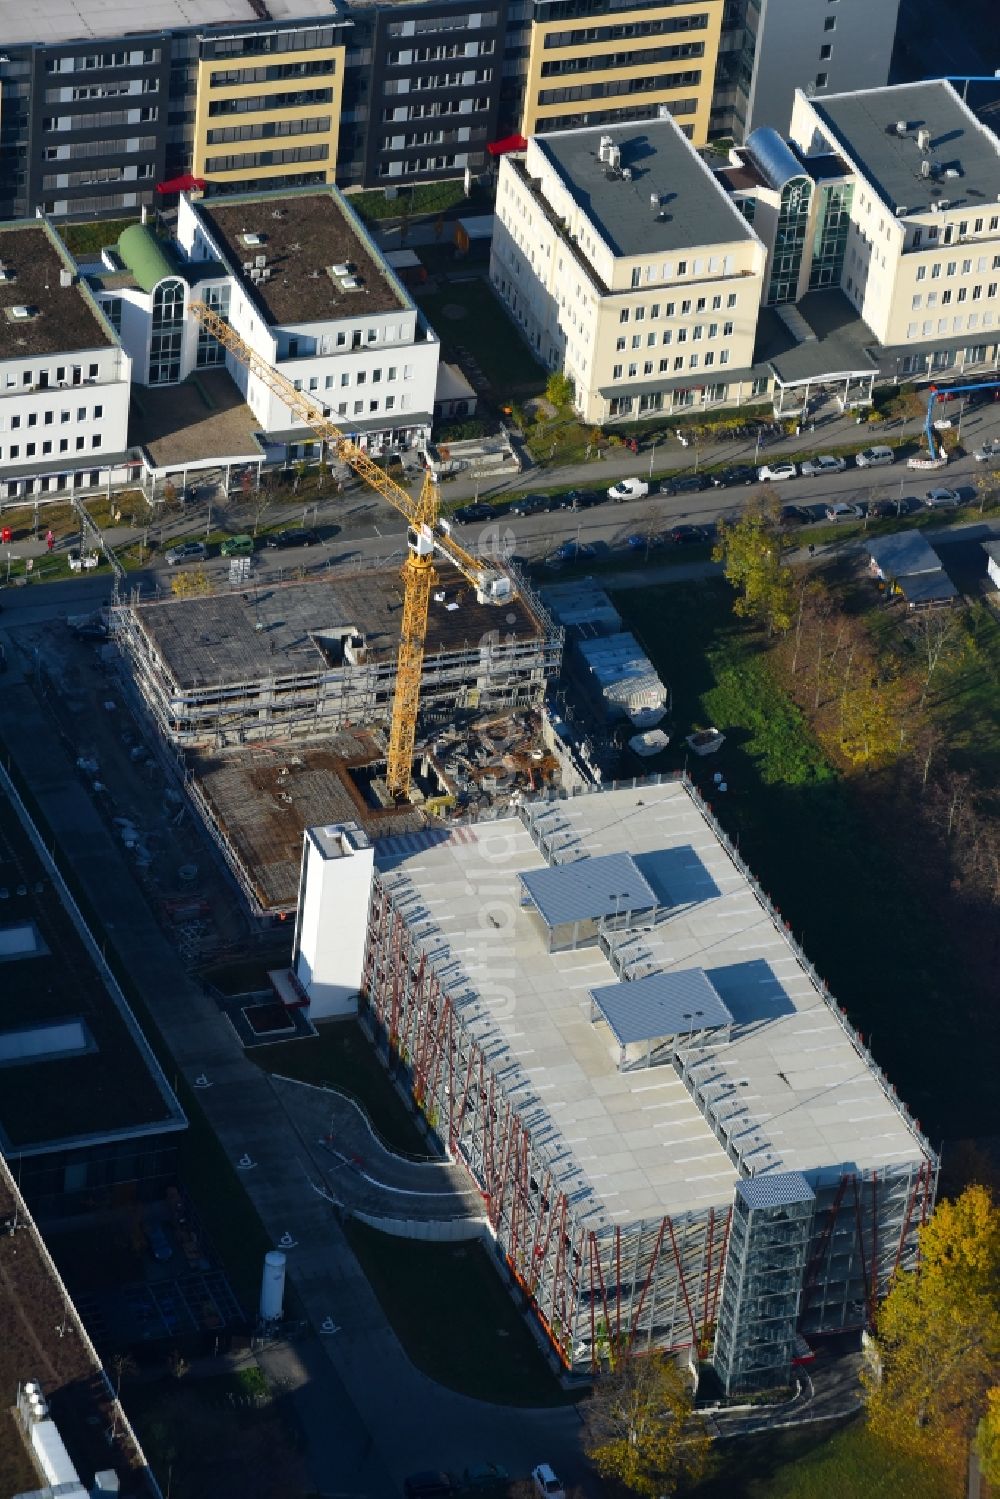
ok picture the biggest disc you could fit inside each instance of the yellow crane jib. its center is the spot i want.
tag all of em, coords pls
(426, 534)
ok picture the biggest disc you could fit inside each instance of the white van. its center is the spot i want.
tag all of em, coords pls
(875, 457)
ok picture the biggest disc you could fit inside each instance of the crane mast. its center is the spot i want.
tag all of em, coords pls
(426, 536)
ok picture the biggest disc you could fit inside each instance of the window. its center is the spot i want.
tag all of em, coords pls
(727, 330)
(830, 23)
(623, 315)
(936, 271)
(650, 340)
(916, 301)
(951, 267)
(700, 305)
(640, 313)
(679, 362)
(825, 52)
(682, 268)
(822, 79)
(647, 368)
(633, 370)
(693, 362)
(620, 345)
(616, 372)
(731, 299)
(724, 356)
(637, 340)
(636, 275)
(946, 297)
(921, 273)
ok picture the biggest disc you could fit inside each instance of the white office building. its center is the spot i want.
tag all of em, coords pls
(64, 376)
(627, 266)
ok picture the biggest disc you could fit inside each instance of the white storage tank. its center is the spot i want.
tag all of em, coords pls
(272, 1286)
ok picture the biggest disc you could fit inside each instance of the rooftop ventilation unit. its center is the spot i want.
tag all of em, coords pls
(7, 273)
(952, 173)
(901, 127)
(251, 239)
(654, 202)
(350, 283)
(340, 270)
(925, 168)
(614, 157)
(627, 174)
(111, 260)
(22, 313)
(923, 139)
(265, 275)
(260, 261)
(606, 147)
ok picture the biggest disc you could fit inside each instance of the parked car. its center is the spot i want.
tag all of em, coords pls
(583, 499)
(296, 537)
(770, 473)
(843, 511)
(989, 451)
(485, 1478)
(741, 474)
(874, 457)
(638, 543)
(469, 514)
(685, 484)
(794, 515)
(884, 508)
(687, 535)
(89, 629)
(430, 1485)
(942, 499)
(628, 489)
(545, 1483)
(814, 468)
(186, 551)
(237, 546)
(530, 504)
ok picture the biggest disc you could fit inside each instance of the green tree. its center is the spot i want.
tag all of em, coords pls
(750, 552)
(641, 1429)
(559, 390)
(938, 1341)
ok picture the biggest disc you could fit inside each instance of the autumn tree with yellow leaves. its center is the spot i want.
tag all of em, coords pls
(933, 1389)
(750, 552)
(641, 1427)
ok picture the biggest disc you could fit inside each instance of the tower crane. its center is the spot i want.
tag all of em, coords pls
(426, 535)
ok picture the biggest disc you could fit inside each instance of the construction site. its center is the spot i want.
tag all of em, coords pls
(276, 699)
(679, 1139)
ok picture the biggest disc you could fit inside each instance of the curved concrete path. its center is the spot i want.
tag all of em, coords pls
(367, 1178)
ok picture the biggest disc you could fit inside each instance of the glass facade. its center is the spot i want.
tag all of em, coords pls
(789, 240)
(168, 330)
(833, 220)
(210, 351)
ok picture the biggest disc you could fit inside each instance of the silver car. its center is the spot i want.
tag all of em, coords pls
(813, 468)
(186, 551)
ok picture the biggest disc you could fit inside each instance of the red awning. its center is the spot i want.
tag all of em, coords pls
(508, 144)
(183, 184)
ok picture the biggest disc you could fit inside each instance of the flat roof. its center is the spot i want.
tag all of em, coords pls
(303, 233)
(292, 629)
(864, 126)
(66, 321)
(263, 799)
(840, 346)
(109, 1088)
(694, 209)
(71, 20)
(43, 1339)
(805, 1095)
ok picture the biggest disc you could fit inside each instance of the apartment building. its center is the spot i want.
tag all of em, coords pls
(768, 48)
(64, 376)
(237, 91)
(627, 265)
(573, 63)
(424, 91)
(921, 248)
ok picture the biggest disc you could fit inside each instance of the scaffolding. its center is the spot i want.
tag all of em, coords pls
(268, 662)
(738, 1281)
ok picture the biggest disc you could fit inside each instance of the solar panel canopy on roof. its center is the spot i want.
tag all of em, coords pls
(781, 1189)
(661, 1004)
(587, 889)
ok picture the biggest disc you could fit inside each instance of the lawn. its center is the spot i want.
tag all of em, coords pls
(455, 1318)
(802, 827)
(341, 1056)
(466, 315)
(815, 1462)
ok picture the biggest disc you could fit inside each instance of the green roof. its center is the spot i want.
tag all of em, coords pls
(146, 256)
